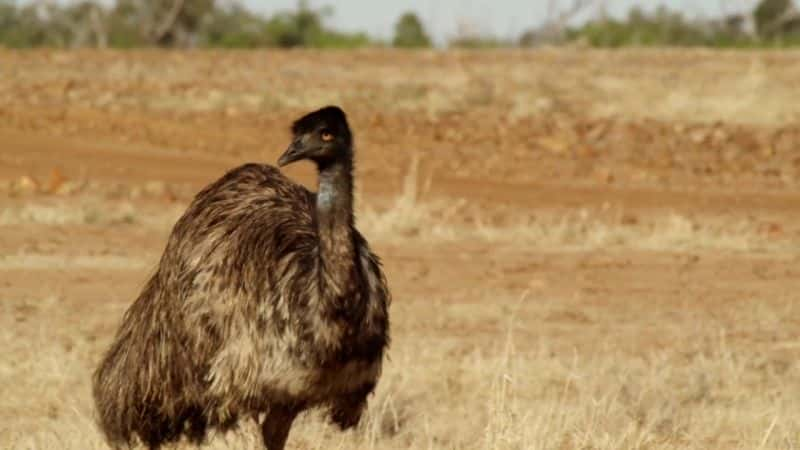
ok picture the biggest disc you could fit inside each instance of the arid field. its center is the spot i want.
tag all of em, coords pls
(586, 249)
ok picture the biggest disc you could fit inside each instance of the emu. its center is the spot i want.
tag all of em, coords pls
(266, 302)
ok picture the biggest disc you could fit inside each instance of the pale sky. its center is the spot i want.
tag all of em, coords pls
(503, 18)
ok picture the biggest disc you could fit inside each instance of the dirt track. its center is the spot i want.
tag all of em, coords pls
(615, 209)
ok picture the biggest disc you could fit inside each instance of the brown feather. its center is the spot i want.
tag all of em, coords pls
(249, 309)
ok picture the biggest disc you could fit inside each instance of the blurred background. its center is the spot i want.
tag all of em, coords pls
(415, 23)
(588, 211)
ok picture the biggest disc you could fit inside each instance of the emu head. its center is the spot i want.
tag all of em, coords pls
(322, 136)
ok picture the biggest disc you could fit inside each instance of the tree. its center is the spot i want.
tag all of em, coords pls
(165, 23)
(554, 28)
(768, 15)
(299, 28)
(162, 22)
(410, 33)
(234, 26)
(81, 24)
(305, 27)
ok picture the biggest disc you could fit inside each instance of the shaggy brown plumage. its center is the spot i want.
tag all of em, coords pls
(266, 300)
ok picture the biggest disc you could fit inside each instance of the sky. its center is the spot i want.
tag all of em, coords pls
(503, 18)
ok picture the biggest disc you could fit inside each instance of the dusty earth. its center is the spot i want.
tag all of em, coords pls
(586, 249)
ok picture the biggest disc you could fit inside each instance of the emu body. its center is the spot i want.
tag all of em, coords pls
(266, 300)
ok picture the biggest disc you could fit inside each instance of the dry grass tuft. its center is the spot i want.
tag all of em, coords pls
(411, 217)
(89, 211)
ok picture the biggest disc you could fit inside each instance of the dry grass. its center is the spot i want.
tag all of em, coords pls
(513, 328)
(507, 386)
(504, 388)
(570, 230)
(89, 210)
(410, 216)
(745, 87)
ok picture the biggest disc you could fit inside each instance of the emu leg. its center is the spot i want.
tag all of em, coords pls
(276, 426)
(346, 410)
(347, 413)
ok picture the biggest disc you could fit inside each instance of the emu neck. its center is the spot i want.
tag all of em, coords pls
(335, 223)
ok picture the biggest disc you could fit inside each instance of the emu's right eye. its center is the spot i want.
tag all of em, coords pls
(327, 136)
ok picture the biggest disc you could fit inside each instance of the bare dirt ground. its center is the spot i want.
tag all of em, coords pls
(594, 250)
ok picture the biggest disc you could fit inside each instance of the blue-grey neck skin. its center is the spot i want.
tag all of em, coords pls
(335, 223)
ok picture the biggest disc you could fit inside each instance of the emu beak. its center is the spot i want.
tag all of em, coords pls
(292, 154)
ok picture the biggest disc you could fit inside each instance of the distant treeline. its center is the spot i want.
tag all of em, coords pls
(227, 23)
(772, 23)
(165, 23)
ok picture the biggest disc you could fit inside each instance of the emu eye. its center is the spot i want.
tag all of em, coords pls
(327, 136)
